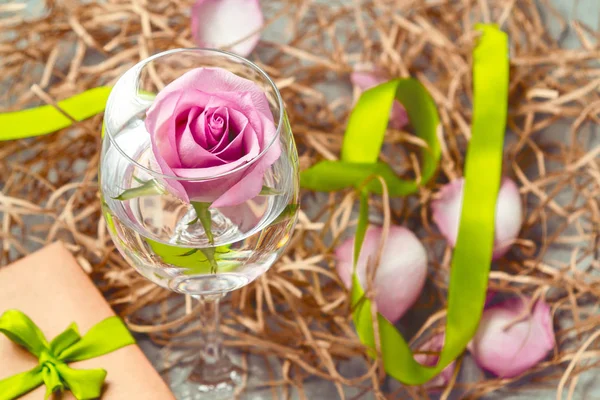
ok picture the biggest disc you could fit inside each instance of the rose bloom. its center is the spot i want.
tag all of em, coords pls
(212, 125)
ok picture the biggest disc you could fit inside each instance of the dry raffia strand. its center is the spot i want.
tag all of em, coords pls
(299, 311)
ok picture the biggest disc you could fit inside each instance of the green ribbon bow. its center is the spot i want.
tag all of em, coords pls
(105, 337)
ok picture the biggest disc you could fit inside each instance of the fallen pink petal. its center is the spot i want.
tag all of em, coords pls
(230, 24)
(435, 344)
(401, 272)
(365, 79)
(510, 339)
(447, 207)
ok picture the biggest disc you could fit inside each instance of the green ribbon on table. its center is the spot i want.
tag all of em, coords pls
(364, 137)
(105, 337)
(483, 167)
(47, 119)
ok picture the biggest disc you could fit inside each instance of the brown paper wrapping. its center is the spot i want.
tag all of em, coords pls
(52, 289)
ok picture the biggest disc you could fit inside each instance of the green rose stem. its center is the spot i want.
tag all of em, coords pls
(203, 214)
(152, 187)
(210, 256)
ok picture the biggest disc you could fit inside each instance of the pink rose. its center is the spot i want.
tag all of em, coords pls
(212, 124)
(510, 340)
(401, 272)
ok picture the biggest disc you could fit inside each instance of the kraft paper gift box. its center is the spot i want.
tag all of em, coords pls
(54, 291)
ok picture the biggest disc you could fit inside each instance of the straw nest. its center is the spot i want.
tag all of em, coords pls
(299, 310)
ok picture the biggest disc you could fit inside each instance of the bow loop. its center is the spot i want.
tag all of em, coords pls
(105, 337)
(52, 370)
(23, 331)
(65, 340)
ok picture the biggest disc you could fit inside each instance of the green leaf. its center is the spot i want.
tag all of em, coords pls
(195, 260)
(288, 212)
(47, 119)
(364, 137)
(203, 214)
(268, 191)
(473, 251)
(148, 188)
(189, 253)
(138, 180)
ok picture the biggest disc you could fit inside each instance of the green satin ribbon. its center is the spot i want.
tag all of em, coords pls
(483, 166)
(47, 119)
(364, 137)
(105, 337)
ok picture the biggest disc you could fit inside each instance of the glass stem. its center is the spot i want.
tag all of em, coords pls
(212, 348)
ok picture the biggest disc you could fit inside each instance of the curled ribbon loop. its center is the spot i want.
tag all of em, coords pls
(473, 251)
(52, 370)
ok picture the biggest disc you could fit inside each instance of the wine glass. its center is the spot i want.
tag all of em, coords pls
(188, 246)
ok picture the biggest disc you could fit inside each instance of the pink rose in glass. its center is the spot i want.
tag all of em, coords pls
(217, 127)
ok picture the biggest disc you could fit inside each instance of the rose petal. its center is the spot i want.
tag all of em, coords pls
(435, 344)
(365, 80)
(508, 348)
(251, 184)
(220, 23)
(447, 208)
(191, 153)
(159, 121)
(220, 83)
(398, 117)
(401, 272)
(489, 297)
(370, 77)
(217, 120)
(244, 143)
(509, 217)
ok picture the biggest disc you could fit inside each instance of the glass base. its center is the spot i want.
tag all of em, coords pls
(210, 381)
